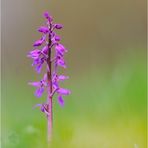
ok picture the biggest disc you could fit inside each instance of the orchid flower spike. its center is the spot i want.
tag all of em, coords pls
(50, 52)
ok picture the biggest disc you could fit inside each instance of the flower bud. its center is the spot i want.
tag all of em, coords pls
(43, 29)
(58, 26)
(57, 38)
(47, 16)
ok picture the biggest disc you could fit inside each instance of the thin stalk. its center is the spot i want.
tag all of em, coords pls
(49, 99)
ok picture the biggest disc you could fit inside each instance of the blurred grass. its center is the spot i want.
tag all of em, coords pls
(107, 109)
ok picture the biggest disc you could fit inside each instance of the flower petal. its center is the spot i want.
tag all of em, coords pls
(61, 101)
(45, 49)
(63, 91)
(43, 29)
(62, 77)
(58, 26)
(45, 77)
(34, 54)
(60, 48)
(57, 38)
(39, 92)
(61, 63)
(38, 68)
(55, 85)
(39, 42)
(35, 84)
(47, 16)
(43, 108)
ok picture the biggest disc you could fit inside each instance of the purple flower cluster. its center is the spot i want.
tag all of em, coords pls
(41, 54)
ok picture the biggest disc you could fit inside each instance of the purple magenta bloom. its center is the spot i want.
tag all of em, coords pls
(60, 48)
(57, 38)
(62, 77)
(61, 101)
(39, 57)
(38, 68)
(35, 84)
(43, 29)
(55, 85)
(61, 62)
(45, 50)
(34, 54)
(58, 26)
(57, 78)
(40, 86)
(39, 42)
(39, 92)
(47, 16)
(38, 63)
(43, 108)
(63, 91)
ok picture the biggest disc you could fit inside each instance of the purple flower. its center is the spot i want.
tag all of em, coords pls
(62, 77)
(57, 78)
(39, 42)
(60, 48)
(63, 91)
(39, 91)
(40, 86)
(38, 68)
(39, 57)
(61, 101)
(57, 38)
(44, 51)
(48, 17)
(58, 26)
(34, 54)
(43, 108)
(43, 29)
(35, 84)
(55, 85)
(38, 63)
(61, 62)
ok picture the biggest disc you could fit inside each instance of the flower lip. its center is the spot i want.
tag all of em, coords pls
(39, 42)
(39, 92)
(60, 48)
(44, 51)
(61, 62)
(57, 38)
(58, 26)
(62, 77)
(34, 54)
(35, 84)
(61, 100)
(43, 29)
(63, 91)
(43, 108)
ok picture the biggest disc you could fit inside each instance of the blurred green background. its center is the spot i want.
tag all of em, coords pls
(107, 68)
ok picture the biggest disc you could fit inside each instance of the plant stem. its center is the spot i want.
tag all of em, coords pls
(49, 119)
(49, 99)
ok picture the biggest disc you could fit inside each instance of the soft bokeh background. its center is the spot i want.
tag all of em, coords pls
(107, 69)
